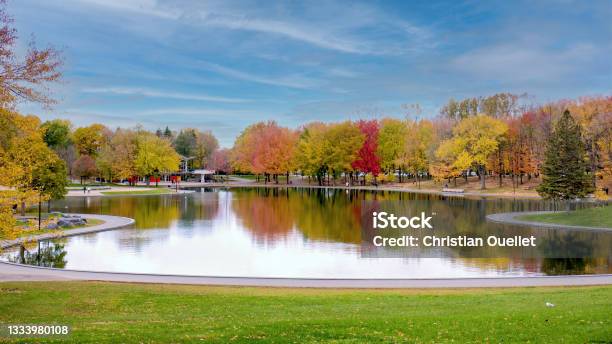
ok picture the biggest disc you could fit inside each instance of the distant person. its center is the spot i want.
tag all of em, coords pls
(84, 189)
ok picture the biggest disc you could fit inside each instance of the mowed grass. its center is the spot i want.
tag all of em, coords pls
(134, 313)
(160, 191)
(591, 217)
(34, 230)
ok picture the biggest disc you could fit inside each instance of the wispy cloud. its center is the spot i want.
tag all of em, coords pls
(144, 92)
(520, 62)
(309, 35)
(345, 31)
(293, 81)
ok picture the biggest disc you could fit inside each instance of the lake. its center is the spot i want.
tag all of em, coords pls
(287, 232)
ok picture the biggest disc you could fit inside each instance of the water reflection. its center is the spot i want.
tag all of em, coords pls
(47, 254)
(282, 232)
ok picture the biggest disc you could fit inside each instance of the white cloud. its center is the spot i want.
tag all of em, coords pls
(144, 92)
(342, 29)
(520, 62)
(295, 81)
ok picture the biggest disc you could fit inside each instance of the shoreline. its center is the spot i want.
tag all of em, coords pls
(110, 222)
(19, 272)
(186, 186)
(511, 219)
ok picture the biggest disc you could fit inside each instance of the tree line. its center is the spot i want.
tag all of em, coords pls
(490, 136)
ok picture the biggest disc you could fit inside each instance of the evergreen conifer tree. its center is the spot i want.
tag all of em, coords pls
(564, 168)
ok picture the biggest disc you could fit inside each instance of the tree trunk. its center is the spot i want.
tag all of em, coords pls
(39, 212)
(481, 168)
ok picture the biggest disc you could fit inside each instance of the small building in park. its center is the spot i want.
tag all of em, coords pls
(204, 175)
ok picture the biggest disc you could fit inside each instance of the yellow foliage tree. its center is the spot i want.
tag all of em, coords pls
(474, 139)
(22, 153)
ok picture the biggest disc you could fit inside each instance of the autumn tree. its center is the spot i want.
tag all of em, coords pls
(192, 143)
(88, 140)
(220, 161)
(391, 144)
(342, 142)
(310, 155)
(415, 153)
(367, 160)
(117, 158)
(205, 145)
(22, 153)
(499, 105)
(474, 139)
(243, 153)
(28, 78)
(594, 114)
(565, 167)
(265, 148)
(84, 167)
(274, 151)
(155, 155)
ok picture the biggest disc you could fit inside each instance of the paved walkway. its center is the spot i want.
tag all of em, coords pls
(511, 219)
(16, 272)
(110, 222)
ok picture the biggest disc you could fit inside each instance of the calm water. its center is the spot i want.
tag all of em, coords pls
(303, 233)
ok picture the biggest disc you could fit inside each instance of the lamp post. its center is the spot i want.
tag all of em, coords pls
(39, 206)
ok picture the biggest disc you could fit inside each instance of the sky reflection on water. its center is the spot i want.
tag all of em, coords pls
(298, 233)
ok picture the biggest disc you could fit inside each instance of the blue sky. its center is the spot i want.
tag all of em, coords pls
(222, 65)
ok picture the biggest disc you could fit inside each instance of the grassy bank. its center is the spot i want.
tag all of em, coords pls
(33, 230)
(590, 217)
(99, 311)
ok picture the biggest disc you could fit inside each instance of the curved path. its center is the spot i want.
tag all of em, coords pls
(110, 222)
(511, 219)
(17, 272)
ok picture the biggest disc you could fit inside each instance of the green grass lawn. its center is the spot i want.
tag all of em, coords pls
(136, 313)
(244, 176)
(160, 191)
(591, 217)
(25, 233)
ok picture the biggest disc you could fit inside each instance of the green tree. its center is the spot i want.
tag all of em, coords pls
(565, 166)
(56, 133)
(50, 180)
(185, 142)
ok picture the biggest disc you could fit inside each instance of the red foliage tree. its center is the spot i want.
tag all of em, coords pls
(368, 161)
(84, 167)
(219, 161)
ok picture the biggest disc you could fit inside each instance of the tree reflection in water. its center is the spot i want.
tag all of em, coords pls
(47, 254)
(326, 215)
